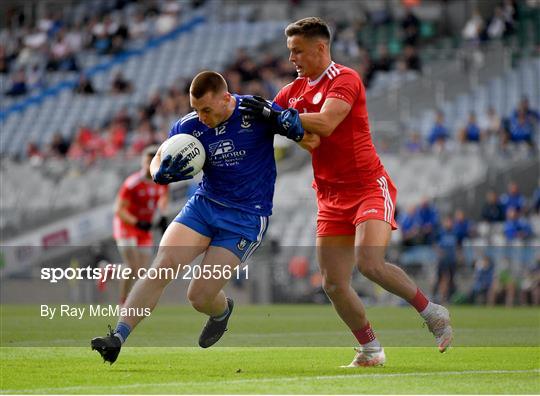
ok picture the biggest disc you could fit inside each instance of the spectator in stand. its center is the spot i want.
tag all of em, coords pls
(516, 227)
(411, 28)
(447, 244)
(59, 146)
(412, 59)
(120, 85)
(384, 61)
(490, 124)
(520, 129)
(531, 115)
(496, 28)
(168, 18)
(512, 199)
(439, 132)
(138, 27)
(33, 153)
(408, 226)
(493, 211)
(428, 221)
(414, 143)
(462, 228)
(473, 27)
(470, 132)
(18, 85)
(84, 86)
(483, 280)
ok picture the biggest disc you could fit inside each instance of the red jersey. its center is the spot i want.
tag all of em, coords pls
(347, 156)
(142, 194)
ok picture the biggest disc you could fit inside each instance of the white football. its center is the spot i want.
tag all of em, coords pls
(190, 147)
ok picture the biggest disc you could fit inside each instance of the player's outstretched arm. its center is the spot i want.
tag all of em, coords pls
(332, 113)
(286, 122)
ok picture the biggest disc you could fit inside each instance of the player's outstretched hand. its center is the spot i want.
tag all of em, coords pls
(259, 107)
(172, 170)
(287, 121)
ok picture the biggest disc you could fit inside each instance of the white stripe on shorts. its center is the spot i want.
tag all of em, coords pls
(254, 245)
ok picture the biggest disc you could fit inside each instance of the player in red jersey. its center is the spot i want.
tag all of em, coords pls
(135, 205)
(356, 197)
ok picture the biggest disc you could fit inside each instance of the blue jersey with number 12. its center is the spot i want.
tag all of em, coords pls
(240, 170)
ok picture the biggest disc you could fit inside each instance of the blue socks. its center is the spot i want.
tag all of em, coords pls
(122, 331)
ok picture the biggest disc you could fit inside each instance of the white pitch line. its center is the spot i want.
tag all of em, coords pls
(277, 379)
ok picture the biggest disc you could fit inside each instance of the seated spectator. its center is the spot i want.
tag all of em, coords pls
(520, 129)
(18, 84)
(447, 244)
(473, 27)
(493, 210)
(439, 133)
(84, 86)
(411, 28)
(59, 146)
(384, 60)
(497, 25)
(414, 143)
(138, 26)
(483, 280)
(462, 228)
(490, 123)
(512, 198)
(531, 115)
(120, 85)
(471, 131)
(516, 227)
(33, 153)
(427, 218)
(412, 59)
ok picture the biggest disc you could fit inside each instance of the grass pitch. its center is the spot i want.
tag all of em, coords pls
(272, 350)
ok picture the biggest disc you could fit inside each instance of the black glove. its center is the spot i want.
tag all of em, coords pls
(287, 122)
(171, 170)
(143, 225)
(260, 108)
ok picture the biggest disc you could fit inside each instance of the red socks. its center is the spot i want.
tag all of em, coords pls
(419, 301)
(365, 335)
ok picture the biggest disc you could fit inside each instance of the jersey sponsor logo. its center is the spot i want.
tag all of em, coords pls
(220, 130)
(222, 147)
(317, 98)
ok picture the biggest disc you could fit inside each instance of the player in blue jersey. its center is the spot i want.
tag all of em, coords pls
(225, 219)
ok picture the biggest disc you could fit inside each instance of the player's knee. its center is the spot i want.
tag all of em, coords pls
(370, 270)
(199, 300)
(369, 264)
(334, 289)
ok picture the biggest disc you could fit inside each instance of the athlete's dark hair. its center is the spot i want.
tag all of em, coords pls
(312, 27)
(207, 81)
